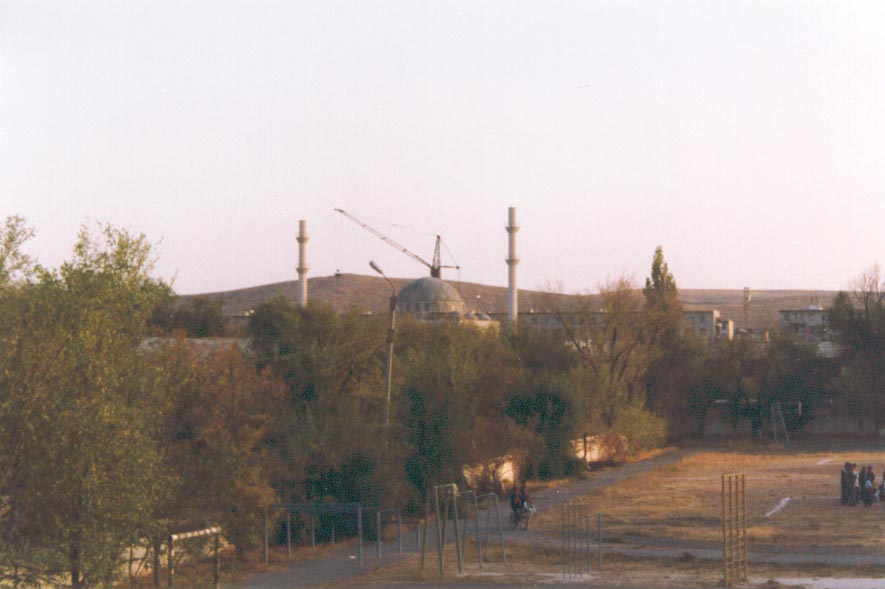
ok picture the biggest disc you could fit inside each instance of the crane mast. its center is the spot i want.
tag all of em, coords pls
(435, 265)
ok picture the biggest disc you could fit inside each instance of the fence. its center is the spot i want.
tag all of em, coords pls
(576, 534)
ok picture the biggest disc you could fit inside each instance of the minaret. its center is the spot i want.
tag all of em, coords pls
(302, 263)
(512, 261)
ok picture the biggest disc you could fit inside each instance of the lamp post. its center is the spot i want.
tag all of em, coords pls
(390, 332)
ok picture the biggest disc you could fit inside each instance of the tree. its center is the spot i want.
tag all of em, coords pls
(795, 376)
(330, 423)
(220, 440)
(663, 312)
(859, 324)
(71, 420)
(548, 411)
(457, 379)
(15, 265)
(196, 316)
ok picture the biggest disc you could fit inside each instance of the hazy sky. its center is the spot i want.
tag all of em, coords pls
(747, 138)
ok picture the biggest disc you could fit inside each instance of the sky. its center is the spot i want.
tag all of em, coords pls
(747, 138)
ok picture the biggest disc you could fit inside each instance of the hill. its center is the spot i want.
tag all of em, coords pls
(371, 293)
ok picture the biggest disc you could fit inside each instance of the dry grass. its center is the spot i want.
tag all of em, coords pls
(683, 500)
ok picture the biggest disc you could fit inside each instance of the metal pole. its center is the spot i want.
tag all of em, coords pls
(562, 538)
(171, 562)
(488, 525)
(265, 537)
(333, 529)
(399, 537)
(587, 524)
(426, 530)
(359, 528)
(457, 537)
(476, 526)
(500, 531)
(388, 369)
(746, 556)
(725, 534)
(289, 533)
(599, 527)
(216, 574)
(378, 531)
(440, 531)
(313, 530)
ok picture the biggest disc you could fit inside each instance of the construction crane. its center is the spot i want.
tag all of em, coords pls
(434, 265)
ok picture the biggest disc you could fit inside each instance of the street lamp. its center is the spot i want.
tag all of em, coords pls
(390, 332)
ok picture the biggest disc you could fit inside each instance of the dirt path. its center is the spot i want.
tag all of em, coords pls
(344, 564)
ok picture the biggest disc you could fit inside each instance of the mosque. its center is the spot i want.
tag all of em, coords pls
(429, 298)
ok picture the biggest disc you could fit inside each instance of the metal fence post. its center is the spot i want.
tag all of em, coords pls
(378, 531)
(399, 536)
(289, 533)
(171, 562)
(599, 527)
(359, 527)
(216, 572)
(265, 537)
(587, 525)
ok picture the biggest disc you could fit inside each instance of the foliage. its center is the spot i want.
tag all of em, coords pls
(858, 322)
(642, 428)
(795, 376)
(15, 265)
(332, 367)
(457, 378)
(196, 316)
(70, 421)
(548, 412)
(221, 440)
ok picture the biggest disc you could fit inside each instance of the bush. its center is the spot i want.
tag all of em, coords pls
(642, 428)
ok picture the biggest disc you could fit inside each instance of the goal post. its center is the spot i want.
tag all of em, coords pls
(215, 532)
(734, 528)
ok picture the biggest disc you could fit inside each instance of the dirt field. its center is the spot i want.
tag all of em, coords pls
(683, 500)
(662, 526)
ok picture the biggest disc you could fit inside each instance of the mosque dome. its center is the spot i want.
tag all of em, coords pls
(430, 295)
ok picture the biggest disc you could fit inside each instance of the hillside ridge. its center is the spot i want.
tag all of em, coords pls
(344, 292)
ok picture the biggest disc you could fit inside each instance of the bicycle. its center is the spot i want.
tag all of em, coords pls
(520, 518)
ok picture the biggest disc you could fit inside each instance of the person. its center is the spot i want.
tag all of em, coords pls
(515, 503)
(862, 485)
(854, 493)
(880, 492)
(845, 484)
(869, 485)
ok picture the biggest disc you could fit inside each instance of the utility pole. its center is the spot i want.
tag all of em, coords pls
(388, 368)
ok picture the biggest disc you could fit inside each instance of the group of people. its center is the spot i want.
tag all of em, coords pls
(860, 487)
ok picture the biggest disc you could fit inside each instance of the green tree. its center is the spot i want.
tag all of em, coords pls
(457, 379)
(663, 311)
(550, 416)
(76, 452)
(858, 322)
(795, 376)
(15, 265)
(220, 440)
(330, 423)
(196, 316)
